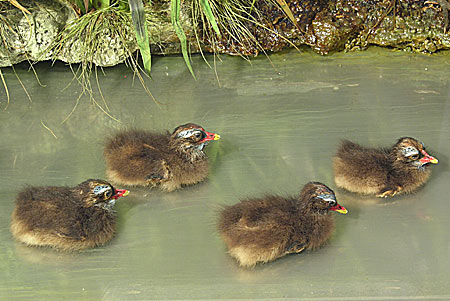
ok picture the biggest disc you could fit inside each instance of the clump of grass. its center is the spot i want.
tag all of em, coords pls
(85, 34)
(232, 18)
(138, 17)
(6, 31)
(237, 20)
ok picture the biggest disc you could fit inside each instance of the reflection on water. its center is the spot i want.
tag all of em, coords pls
(280, 126)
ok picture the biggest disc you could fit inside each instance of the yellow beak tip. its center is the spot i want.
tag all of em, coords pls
(126, 193)
(216, 137)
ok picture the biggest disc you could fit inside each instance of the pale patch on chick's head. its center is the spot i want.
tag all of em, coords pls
(192, 136)
(412, 153)
(100, 193)
(320, 198)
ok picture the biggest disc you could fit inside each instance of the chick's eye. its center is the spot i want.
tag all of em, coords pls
(107, 194)
(199, 135)
(414, 157)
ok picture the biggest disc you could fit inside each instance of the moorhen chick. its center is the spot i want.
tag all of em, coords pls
(264, 229)
(382, 171)
(66, 218)
(142, 158)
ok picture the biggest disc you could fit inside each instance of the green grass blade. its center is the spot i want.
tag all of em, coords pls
(140, 28)
(98, 4)
(287, 11)
(105, 3)
(209, 15)
(83, 5)
(175, 17)
(252, 6)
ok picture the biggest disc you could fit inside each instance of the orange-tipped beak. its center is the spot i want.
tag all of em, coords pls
(339, 208)
(120, 193)
(428, 159)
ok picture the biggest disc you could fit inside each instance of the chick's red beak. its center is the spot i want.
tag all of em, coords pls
(427, 158)
(211, 136)
(339, 208)
(120, 193)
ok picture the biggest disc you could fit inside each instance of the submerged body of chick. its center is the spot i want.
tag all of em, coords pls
(382, 171)
(262, 230)
(169, 161)
(66, 218)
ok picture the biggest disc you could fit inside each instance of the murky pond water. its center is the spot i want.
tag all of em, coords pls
(280, 125)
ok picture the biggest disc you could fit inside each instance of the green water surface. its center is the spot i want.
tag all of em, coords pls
(280, 121)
